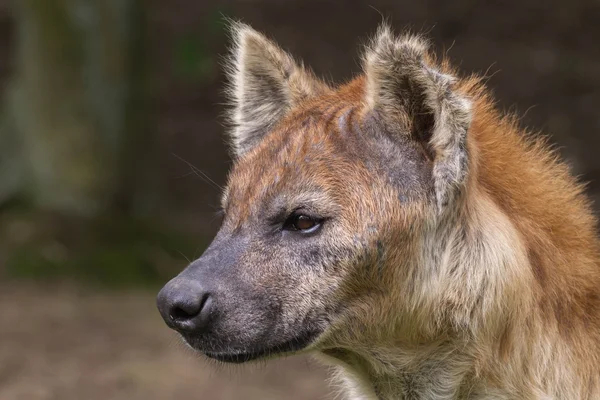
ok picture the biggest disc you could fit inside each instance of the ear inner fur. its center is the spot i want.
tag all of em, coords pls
(265, 82)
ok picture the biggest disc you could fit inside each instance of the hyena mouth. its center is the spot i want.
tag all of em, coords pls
(239, 356)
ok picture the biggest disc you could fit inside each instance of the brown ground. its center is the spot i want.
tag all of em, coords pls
(64, 343)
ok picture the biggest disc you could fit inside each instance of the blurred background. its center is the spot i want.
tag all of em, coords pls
(112, 151)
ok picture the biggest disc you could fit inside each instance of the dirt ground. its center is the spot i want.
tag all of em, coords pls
(68, 343)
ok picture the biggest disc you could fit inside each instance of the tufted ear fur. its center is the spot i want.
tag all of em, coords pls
(412, 96)
(264, 83)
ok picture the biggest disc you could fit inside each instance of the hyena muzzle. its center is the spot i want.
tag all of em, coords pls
(399, 227)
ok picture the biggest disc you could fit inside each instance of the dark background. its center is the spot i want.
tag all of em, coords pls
(77, 317)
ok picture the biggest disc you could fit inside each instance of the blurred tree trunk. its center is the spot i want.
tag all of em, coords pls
(73, 111)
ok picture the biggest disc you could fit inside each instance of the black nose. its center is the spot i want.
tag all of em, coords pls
(185, 305)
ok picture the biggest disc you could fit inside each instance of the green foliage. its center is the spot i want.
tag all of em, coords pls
(111, 252)
(194, 59)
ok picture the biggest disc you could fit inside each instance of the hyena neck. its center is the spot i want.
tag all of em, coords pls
(549, 275)
(474, 310)
(466, 285)
(482, 310)
(434, 371)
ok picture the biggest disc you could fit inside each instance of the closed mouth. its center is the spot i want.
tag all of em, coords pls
(241, 356)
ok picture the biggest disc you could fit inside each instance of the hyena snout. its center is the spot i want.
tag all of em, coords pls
(186, 305)
(236, 304)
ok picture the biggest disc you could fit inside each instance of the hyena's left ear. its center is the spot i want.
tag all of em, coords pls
(414, 97)
(264, 83)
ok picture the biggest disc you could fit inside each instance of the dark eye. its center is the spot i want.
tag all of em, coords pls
(302, 223)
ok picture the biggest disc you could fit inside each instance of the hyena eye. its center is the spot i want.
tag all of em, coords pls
(302, 223)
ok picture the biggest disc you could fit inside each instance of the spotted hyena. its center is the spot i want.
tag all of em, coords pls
(400, 228)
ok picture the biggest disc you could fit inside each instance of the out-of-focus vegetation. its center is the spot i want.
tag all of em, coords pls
(194, 60)
(107, 250)
(78, 140)
(74, 104)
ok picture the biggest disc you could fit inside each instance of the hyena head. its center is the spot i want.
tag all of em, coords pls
(329, 203)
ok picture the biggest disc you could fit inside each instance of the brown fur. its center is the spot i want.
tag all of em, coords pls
(470, 262)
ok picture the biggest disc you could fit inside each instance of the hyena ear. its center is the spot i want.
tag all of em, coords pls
(405, 88)
(264, 83)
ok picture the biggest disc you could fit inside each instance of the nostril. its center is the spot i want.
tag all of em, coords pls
(188, 310)
(180, 314)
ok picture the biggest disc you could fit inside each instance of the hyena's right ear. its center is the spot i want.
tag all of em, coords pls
(264, 83)
(415, 96)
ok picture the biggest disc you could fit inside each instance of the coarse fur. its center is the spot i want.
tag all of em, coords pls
(456, 257)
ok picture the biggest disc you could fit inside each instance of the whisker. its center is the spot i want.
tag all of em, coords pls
(184, 256)
(199, 173)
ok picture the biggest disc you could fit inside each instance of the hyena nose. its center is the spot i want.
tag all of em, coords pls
(185, 305)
